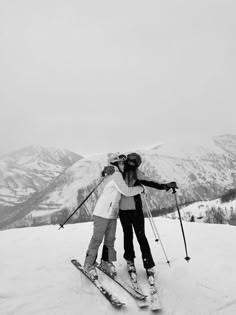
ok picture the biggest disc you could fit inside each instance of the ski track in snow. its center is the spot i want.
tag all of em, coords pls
(226, 305)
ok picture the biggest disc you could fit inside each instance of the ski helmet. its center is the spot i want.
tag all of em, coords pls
(116, 157)
(135, 158)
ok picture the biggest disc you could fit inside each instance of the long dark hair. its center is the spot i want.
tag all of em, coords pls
(130, 177)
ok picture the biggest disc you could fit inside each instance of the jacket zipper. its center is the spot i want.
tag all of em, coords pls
(110, 206)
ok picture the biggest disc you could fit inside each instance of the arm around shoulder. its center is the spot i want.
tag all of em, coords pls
(123, 188)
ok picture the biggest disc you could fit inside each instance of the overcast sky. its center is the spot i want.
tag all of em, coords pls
(102, 76)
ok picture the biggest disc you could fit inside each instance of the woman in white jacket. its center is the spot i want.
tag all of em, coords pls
(105, 217)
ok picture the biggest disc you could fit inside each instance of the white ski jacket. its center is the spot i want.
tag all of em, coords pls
(107, 205)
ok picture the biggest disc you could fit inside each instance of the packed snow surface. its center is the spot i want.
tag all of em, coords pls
(37, 276)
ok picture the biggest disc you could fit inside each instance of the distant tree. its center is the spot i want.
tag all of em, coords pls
(215, 216)
(229, 195)
(232, 218)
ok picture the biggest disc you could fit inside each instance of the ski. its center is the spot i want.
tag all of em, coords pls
(136, 286)
(155, 303)
(125, 286)
(109, 296)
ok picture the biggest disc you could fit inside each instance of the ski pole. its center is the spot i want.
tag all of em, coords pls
(154, 229)
(62, 225)
(187, 258)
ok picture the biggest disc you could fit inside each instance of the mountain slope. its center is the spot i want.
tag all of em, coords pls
(60, 196)
(202, 171)
(29, 170)
(227, 143)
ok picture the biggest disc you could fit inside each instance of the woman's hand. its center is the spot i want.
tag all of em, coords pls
(171, 185)
(108, 170)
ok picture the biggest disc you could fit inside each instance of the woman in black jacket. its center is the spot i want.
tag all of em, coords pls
(131, 213)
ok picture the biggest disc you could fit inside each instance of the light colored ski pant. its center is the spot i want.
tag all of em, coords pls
(102, 228)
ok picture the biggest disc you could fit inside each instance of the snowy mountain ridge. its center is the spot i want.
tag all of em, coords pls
(202, 174)
(30, 169)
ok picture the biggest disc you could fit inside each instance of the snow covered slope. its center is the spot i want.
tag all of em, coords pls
(53, 203)
(37, 277)
(202, 171)
(28, 170)
(199, 211)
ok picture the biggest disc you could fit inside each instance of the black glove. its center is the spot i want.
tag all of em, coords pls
(108, 170)
(170, 185)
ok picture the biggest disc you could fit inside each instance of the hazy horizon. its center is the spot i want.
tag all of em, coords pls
(104, 76)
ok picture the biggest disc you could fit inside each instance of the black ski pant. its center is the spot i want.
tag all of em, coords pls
(134, 220)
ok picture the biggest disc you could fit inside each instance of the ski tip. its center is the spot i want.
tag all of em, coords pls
(141, 296)
(143, 303)
(156, 306)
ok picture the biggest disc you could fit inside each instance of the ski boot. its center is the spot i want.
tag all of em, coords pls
(151, 274)
(91, 271)
(131, 266)
(109, 267)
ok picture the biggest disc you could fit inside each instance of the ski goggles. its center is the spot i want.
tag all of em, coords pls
(122, 157)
